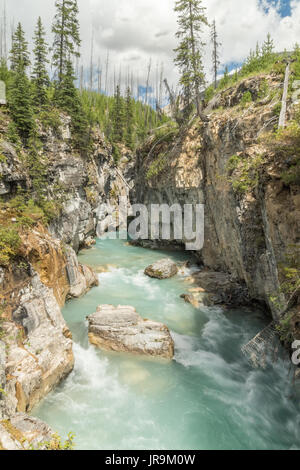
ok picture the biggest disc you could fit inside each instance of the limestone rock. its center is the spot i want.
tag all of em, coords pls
(81, 278)
(23, 432)
(163, 269)
(38, 351)
(122, 329)
(194, 299)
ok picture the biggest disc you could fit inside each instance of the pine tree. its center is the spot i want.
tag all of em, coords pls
(19, 92)
(39, 74)
(267, 51)
(215, 53)
(66, 36)
(191, 19)
(68, 99)
(129, 120)
(19, 55)
(118, 117)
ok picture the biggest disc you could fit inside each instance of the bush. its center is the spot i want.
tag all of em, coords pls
(292, 175)
(156, 167)
(209, 93)
(247, 98)
(50, 119)
(9, 244)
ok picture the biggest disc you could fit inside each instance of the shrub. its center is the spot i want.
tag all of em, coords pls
(209, 93)
(247, 98)
(156, 167)
(9, 244)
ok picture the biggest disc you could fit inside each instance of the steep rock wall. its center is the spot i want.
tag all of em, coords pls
(248, 231)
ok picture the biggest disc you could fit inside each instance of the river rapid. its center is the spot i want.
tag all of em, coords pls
(209, 397)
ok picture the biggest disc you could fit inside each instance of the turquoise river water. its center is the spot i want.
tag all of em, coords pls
(207, 398)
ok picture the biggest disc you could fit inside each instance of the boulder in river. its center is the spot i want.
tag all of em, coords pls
(162, 269)
(122, 329)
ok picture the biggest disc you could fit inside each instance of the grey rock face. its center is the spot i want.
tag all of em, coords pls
(23, 432)
(121, 329)
(46, 356)
(81, 278)
(162, 269)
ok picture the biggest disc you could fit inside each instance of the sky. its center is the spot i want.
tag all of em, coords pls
(136, 30)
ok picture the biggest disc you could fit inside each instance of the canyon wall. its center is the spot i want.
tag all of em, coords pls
(252, 217)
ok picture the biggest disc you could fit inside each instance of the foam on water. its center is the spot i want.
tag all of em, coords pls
(207, 398)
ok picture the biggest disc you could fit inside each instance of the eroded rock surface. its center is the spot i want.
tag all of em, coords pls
(121, 329)
(162, 269)
(23, 432)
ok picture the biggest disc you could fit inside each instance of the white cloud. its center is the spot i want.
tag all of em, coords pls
(137, 30)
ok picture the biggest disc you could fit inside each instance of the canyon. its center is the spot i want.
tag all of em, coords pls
(251, 232)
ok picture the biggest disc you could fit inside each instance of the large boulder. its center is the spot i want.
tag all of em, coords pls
(162, 269)
(121, 329)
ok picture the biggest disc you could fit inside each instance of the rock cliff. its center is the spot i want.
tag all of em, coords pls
(252, 216)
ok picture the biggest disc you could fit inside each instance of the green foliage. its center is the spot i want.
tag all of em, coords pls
(246, 99)
(116, 152)
(264, 89)
(244, 172)
(99, 109)
(19, 55)
(290, 271)
(50, 119)
(68, 99)
(156, 167)
(19, 91)
(57, 444)
(118, 117)
(66, 36)
(226, 80)
(191, 19)
(129, 120)
(9, 244)
(39, 73)
(20, 104)
(277, 108)
(209, 93)
(284, 329)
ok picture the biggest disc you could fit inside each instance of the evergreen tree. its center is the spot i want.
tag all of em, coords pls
(215, 53)
(118, 117)
(268, 48)
(39, 74)
(68, 99)
(66, 36)
(129, 120)
(19, 55)
(191, 18)
(19, 92)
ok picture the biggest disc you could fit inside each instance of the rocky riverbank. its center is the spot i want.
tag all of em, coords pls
(35, 342)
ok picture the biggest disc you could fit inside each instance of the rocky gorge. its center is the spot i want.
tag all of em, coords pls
(252, 219)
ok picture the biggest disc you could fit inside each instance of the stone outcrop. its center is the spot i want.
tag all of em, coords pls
(23, 432)
(162, 269)
(121, 329)
(38, 349)
(81, 278)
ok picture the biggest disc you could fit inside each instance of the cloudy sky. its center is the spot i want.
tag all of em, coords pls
(136, 30)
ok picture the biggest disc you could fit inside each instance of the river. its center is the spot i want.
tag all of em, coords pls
(209, 397)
